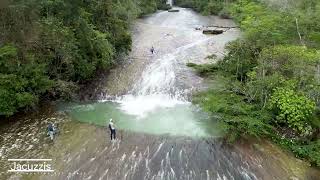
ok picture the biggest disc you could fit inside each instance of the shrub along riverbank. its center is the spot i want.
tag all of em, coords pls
(49, 47)
(272, 86)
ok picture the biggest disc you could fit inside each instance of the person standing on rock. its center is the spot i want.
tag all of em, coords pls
(112, 130)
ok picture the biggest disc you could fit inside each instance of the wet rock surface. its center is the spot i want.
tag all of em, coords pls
(84, 151)
(176, 42)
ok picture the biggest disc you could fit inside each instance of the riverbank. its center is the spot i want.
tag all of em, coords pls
(263, 95)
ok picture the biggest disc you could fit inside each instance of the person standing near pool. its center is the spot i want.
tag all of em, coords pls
(112, 130)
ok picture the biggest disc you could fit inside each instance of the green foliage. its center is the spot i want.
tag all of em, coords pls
(162, 4)
(275, 64)
(278, 66)
(47, 47)
(289, 61)
(185, 3)
(310, 151)
(239, 118)
(240, 60)
(20, 81)
(264, 26)
(293, 109)
(203, 69)
(207, 7)
(225, 13)
(147, 6)
(307, 17)
(307, 150)
(213, 8)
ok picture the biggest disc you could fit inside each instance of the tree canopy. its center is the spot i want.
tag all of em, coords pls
(48, 47)
(273, 74)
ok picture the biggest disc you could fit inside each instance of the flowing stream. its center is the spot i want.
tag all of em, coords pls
(158, 101)
(161, 134)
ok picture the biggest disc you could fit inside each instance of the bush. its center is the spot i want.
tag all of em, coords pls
(206, 7)
(213, 8)
(224, 13)
(238, 117)
(293, 109)
(309, 151)
(241, 59)
(204, 69)
(162, 5)
(21, 82)
(185, 3)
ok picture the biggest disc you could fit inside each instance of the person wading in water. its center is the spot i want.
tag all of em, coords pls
(50, 130)
(112, 130)
(152, 50)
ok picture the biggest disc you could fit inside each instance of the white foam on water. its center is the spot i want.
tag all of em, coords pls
(142, 105)
(157, 86)
(155, 89)
(159, 77)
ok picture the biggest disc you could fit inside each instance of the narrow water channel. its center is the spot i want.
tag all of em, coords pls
(161, 135)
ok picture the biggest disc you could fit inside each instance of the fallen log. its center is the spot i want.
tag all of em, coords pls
(212, 31)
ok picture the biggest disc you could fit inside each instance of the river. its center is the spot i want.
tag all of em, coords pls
(161, 134)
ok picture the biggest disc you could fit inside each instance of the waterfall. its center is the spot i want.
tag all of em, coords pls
(157, 87)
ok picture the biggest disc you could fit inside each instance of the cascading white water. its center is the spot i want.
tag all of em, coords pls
(170, 2)
(158, 78)
(155, 89)
(157, 86)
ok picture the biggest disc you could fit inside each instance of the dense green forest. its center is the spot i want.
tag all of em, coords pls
(271, 76)
(48, 47)
(207, 7)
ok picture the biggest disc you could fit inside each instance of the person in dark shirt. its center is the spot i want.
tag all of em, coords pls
(112, 130)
